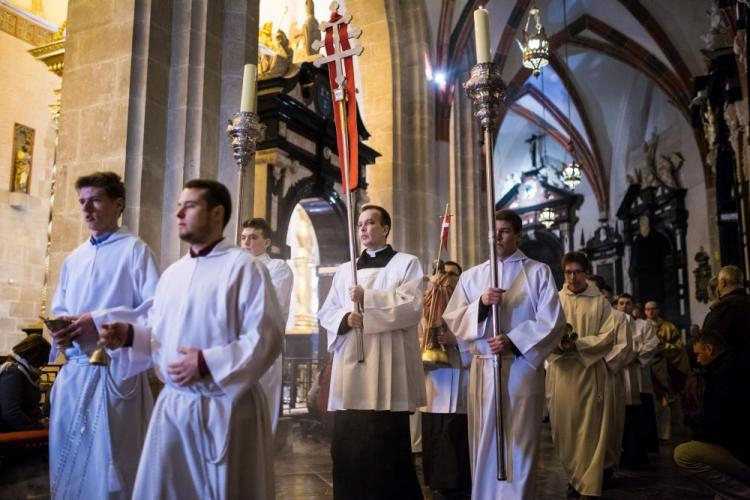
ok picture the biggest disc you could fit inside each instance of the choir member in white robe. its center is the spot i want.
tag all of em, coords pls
(256, 239)
(579, 389)
(531, 325)
(640, 418)
(371, 447)
(445, 436)
(214, 329)
(98, 420)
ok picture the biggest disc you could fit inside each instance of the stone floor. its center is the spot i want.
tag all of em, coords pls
(303, 471)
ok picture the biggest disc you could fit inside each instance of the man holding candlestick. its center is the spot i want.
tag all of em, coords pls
(531, 324)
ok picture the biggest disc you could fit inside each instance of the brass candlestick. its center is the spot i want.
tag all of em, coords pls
(244, 130)
(486, 88)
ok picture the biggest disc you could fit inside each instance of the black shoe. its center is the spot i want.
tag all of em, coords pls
(572, 493)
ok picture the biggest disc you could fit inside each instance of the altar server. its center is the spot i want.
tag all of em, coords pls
(371, 447)
(579, 389)
(98, 419)
(256, 239)
(531, 325)
(214, 329)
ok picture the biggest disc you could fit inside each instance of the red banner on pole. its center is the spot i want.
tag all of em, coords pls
(350, 100)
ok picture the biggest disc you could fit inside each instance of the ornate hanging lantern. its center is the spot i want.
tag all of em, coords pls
(535, 46)
(547, 217)
(571, 174)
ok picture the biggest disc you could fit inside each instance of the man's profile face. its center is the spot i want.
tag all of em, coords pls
(100, 212)
(507, 239)
(254, 241)
(704, 353)
(575, 277)
(195, 222)
(453, 273)
(372, 233)
(652, 311)
(625, 305)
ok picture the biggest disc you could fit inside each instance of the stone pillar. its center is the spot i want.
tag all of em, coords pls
(152, 85)
(466, 178)
(94, 112)
(396, 104)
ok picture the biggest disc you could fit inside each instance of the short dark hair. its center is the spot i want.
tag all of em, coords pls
(33, 348)
(510, 216)
(576, 258)
(215, 193)
(716, 340)
(599, 282)
(385, 217)
(260, 224)
(109, 181)
(625, 296)
(452, 263)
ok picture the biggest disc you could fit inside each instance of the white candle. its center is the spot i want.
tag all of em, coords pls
(482, 34)
(249, 88)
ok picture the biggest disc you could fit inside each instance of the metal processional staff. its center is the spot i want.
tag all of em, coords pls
(485, 87)
(338, 58)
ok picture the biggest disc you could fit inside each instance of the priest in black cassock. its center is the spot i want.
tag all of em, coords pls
(372, 400)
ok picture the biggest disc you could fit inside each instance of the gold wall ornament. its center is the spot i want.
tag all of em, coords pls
(52, 54)
(23, 153)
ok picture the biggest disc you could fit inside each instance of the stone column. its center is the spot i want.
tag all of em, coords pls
(94, 112)
(152, 85)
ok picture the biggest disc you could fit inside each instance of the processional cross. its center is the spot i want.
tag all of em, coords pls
(339, 53)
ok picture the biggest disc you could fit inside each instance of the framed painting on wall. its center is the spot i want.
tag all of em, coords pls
(21, 161)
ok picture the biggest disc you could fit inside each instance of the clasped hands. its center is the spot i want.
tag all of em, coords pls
(184, 372)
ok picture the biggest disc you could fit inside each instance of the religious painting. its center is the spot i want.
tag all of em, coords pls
(23, 152)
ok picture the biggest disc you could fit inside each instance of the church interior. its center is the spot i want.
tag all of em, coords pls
(627, 140)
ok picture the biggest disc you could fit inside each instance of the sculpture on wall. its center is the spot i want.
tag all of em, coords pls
(274, 53)
(702, 276)
(23, 148)
(720, 34)
(659, 170)
(304, 38)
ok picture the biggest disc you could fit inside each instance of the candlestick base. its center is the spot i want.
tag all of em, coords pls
(486, 88)
(245, 129)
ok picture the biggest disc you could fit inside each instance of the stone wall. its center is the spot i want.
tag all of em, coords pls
(25, 93)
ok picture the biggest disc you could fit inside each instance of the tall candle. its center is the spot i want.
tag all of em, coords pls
(249, 88)
(482, 34)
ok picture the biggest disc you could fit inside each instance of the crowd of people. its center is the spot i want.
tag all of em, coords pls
(610, 375)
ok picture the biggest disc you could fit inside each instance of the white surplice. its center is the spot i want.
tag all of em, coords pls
(579, 390)
(211, 439)
(390, 379)
(447, 386)
(98, 419)
(648, 346)
(619, 361)
(530, 315)
(283, 281)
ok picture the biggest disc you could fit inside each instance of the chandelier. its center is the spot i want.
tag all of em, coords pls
(547, 217)
(535, 46)
(571, 172)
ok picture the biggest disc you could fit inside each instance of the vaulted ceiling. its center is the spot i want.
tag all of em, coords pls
(616, 51)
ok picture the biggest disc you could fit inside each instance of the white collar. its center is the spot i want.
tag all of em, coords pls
(373, 253)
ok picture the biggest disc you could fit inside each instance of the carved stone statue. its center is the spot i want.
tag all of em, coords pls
(274, 55)
(719, 34)
(310, 32)
(667, 167)
(702, 276)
